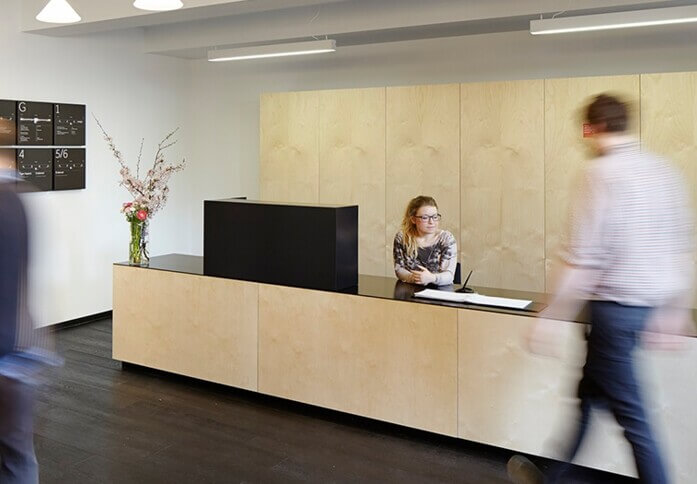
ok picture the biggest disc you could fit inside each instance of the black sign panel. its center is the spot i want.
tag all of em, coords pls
(8, 122)
(69, 125)
(8, 159)
(68, 168)
(34, 123)
(36, 167)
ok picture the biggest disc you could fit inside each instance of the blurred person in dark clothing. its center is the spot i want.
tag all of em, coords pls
(23, 350)
(629, 253)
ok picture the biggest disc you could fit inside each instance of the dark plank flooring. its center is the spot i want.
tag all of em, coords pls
(99, 423)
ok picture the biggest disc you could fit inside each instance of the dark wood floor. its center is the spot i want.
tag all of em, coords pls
(97, 423)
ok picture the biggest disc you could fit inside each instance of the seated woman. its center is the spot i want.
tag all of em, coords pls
(424, 254)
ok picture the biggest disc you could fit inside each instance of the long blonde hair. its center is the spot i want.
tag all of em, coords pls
(409, 230)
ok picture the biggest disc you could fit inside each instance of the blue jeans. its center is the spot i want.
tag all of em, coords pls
(18, 461)
(609, 381)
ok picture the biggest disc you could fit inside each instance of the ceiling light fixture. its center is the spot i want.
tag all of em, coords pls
(617, 20)
(275, 50)
(158, 5)
(58, 12)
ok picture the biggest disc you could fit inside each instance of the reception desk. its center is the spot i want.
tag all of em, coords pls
(377, 352)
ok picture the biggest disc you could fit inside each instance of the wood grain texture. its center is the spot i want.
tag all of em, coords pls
(669, 122)
(565, 149)
(289, 147)
(517, 400)
(197, 326)
(502, 182)
(423, 154)
(522, 401)
(352, 165)
(388, 360)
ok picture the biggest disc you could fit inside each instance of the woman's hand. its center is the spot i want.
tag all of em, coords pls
(423, 276)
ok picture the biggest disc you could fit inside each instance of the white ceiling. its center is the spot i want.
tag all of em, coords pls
(204, 24)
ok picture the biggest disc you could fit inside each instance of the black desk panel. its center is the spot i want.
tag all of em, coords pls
(310, 246)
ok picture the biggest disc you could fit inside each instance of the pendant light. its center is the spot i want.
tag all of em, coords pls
(158, 5)
(58, 12)
(273, 50)
(615, 20)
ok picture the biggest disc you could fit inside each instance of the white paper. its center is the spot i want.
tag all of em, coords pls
(479, 299)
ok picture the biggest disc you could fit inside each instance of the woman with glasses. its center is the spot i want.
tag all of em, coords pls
(423, 253)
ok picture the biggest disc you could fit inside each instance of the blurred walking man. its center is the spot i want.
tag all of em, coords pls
(630, 253)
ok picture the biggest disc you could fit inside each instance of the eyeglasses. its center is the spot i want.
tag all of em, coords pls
(426, 218)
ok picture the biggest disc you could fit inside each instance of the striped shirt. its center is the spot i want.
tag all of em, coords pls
(632, 225)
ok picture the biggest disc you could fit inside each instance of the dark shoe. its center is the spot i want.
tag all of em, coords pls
(522, 471)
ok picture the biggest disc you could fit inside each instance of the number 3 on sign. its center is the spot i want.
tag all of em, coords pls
(62, 153)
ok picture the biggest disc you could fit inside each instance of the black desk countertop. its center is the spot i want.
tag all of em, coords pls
(376, 286)
(392, 289)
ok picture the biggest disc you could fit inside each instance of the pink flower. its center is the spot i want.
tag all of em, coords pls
(127, 204)
(142, 215)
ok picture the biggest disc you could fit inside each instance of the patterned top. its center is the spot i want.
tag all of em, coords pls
(439, 258)
(632, 224)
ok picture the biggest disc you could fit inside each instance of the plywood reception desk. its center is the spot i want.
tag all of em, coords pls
(377, 352)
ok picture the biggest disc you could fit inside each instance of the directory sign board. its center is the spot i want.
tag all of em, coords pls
(34, 123)
(68, 168)
(68, 125)
(36, 167)
(8, 122)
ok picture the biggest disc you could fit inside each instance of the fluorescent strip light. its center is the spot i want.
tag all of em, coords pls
(58, 12)
(158, 5)
(276, 50)
(617, 20)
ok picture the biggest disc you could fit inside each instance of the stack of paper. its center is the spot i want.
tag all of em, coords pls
(462, 297)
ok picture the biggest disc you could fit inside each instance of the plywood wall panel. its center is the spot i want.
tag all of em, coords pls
(203, 327)
(352, 165)
(388, 360)
(289, 147)
(669, 120)
(423, 154)
(565, 148)
(669, 123)
(502, 183)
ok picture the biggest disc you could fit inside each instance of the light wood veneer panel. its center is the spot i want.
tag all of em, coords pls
(565, 148)
(502, 181)
(423, 154)
(387, 360)
(203, 327)
(289, 147)
(511, 398)
(352, 165)
(669, 122)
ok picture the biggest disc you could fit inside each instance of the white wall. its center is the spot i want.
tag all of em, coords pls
(77, 235)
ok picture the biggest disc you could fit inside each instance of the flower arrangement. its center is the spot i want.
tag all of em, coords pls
(149, 193)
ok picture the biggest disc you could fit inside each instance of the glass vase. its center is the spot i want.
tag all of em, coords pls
(138, 247)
